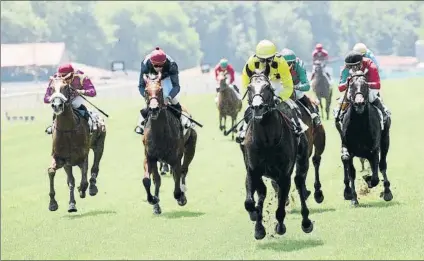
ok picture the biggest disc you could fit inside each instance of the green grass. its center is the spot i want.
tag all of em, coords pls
(118, 223)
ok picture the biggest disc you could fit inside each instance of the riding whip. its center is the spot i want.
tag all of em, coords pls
(102, 112)
(176, 110)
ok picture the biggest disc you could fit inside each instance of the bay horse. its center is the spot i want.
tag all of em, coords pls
(322, 88)
(271, 149)
(229, 105)
(164, 141)
(363, 136)
(71, 145)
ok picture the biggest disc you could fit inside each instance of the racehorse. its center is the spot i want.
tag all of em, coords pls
(164, 141)
(322, 88)
(271, 149)
(71, 145)
(228, 103)
(362, 136)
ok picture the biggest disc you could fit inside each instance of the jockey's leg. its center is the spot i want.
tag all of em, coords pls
(139, 129)
(237, 90)
(185, 121)
(312, 109)
(375, 100)
(78, 104)
(327, 75)
(242, 131)
(49, 129)
(290, 108)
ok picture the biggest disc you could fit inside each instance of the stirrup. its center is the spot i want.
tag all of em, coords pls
(139, 130)
(49, 130)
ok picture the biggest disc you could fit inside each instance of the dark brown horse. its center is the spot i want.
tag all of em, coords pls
(271, 149)
(71, 145)
(164, 141)
(322, 88)
(316, 141)
(362, 136)
(229, 105)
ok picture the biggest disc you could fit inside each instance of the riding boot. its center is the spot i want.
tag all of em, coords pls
(312, 109)
(236, 88)
(49, 129)
(139, 129)
(85, 114)
(377, 103)
(293, 111)
(242, 131)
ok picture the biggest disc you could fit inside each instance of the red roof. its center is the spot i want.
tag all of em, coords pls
(26, 54)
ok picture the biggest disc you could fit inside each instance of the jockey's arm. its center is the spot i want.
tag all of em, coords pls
(343, 79)
(373, 77)
(88, 86)
(49, 92)
(141, 82)
(230, 70)
(173, 74)
(303, 84)
(245, 79)
(285, 78)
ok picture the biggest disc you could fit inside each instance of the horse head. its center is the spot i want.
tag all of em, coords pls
(318, 67)
(61, 93)
(261, 94)
(358, 91)
(154, 94)
(223, 80)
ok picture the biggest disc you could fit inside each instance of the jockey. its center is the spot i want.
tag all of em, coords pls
(354, 61)
(155, 62)
(320, 54)
(362, 48)
(82, 84)
(267, 58)
(301, 83)
(224, 66)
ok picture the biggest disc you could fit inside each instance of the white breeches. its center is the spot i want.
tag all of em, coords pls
(299, 94)
(167, 87)
(77, 101)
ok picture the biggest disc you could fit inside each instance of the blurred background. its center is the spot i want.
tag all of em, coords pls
(108, 40)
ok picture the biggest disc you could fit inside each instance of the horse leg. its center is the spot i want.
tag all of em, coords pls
(284, 185)
(319, 144)
(352, 176)
(98, 154)
(327, 106)
(346, 169)
(71, 185)
(384, 147)
(53, 206)
(225, 124)
(362, 164)
(302, 166)
(233, 121)
(189, 151)
(261, 190)
(249, 202)
(157, 181)
(84, 183)
(178, 193)
(373, 181)
(320, 105)
(221, 127)
(149, 165)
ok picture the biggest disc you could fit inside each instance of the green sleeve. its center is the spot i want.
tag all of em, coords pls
(303, 79)
(343, 76)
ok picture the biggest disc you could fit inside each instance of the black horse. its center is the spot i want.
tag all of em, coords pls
(362, 136)
(271, 149)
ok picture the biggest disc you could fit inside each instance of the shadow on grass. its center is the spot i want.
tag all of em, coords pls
(287, 245)
(313, 210)
(181, 214)
(379, 204)
(90, 214)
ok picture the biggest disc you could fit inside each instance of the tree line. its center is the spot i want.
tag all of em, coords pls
(97, 32)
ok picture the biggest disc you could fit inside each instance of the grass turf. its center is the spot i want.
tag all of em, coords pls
(118, 222)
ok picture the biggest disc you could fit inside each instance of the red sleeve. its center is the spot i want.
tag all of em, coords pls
(373, 76)
(342, 87)
(49, 92)
(231, 71)
(216, 71)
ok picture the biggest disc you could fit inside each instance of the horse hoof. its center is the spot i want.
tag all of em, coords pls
(280, 229)
(253, 215)
(387, 196)
(319, 196)
(157, 210)
(307, 226)
(348, 195)
(182, 201)
(354, 203)
(92, 190)
(82, 194)
(53, 206)
(260, 232)
(72, 208)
